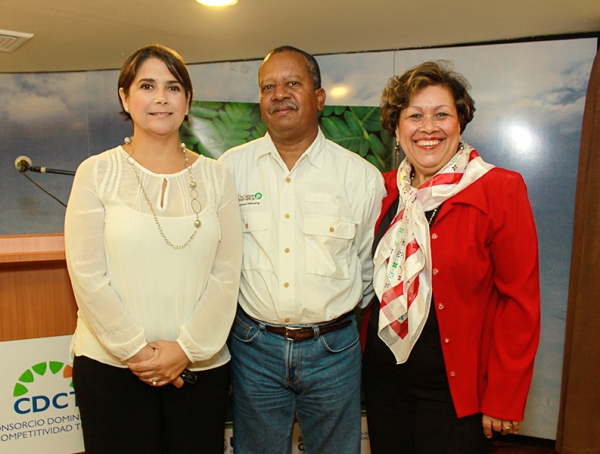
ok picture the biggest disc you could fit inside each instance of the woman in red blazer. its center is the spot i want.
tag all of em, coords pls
(454, 328)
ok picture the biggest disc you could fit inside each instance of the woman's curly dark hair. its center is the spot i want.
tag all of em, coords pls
(400, 90)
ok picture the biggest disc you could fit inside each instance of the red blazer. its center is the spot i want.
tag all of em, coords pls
(486, 292)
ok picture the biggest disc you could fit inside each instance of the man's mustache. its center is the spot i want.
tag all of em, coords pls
(285, 103)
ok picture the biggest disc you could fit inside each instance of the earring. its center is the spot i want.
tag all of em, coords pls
(397, 150)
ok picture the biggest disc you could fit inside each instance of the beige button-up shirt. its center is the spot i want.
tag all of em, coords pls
(308, 231)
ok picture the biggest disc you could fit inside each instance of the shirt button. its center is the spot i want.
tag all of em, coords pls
(452, 374)
(287, 320)
(287, 180)
(287, 215)
(286, 250)
(441, 307)
(331, 229)
(435, 271)
(447, 341)
(246, 225)
(434, 236)
(286, 284)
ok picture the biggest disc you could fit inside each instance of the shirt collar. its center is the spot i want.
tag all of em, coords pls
(314, 153)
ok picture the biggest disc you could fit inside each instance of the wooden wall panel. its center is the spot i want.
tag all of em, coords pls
(36, 299)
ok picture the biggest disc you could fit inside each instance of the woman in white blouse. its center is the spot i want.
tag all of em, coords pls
(153, 241)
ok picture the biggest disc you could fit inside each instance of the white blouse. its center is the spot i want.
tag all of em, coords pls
(131, 287)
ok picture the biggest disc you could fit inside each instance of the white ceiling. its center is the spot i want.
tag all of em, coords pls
(73, 35)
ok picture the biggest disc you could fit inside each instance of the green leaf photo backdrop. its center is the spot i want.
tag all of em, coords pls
(216, 127)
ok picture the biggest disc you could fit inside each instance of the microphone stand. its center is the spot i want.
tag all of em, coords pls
(47, 170)
(44, 189)
(23, 164)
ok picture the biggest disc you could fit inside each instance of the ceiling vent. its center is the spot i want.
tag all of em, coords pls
(10, 41)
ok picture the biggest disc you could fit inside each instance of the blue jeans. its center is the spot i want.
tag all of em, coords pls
(276, 381)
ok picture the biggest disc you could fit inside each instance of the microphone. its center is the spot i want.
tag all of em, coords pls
(23, 164)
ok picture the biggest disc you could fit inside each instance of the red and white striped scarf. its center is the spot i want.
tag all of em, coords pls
(402, 276)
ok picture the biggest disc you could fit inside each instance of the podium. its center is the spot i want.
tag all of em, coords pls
(36, 298)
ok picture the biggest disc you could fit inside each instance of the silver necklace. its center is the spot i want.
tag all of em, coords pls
(195, 203)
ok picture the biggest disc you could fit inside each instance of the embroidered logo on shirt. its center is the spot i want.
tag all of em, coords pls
(250, 199)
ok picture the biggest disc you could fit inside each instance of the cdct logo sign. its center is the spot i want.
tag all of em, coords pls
(39, 403)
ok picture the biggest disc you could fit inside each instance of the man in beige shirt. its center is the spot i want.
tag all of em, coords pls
(308, 211)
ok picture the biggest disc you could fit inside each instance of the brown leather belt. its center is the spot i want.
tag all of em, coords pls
(302, 334)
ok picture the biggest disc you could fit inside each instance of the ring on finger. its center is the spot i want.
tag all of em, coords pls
(505, 427)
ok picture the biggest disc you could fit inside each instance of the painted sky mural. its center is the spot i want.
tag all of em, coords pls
(529, 99)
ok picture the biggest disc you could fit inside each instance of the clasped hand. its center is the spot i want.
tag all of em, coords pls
(491, 424)
(159, 363)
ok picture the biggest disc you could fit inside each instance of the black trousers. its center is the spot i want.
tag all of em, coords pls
(409, 406)
(122, 414)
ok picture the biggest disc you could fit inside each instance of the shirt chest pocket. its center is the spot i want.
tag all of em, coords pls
(328, 246)
(256, 228)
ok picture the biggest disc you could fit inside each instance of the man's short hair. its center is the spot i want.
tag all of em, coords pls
(311, 63)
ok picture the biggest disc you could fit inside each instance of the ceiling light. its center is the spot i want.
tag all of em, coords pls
(217, 3)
